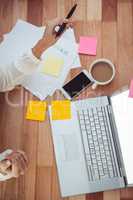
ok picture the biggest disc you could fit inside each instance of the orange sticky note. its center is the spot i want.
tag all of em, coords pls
(61, 110)
(36, 110)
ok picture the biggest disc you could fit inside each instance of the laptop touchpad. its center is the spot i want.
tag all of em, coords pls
(71, 147)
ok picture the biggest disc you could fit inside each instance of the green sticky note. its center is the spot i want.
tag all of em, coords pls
(52, 65)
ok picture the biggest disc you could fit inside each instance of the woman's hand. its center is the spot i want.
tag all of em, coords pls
(49, 37)
(14, 164)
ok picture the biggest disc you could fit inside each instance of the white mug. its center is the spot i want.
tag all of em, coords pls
(96, 82)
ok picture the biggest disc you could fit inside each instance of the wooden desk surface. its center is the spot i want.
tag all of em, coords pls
(112, 22)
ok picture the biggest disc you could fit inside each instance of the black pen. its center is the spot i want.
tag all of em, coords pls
(63, 26)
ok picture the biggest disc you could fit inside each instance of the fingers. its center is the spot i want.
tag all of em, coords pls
(70, 25)
(66, 21)
(24, 156)
(19, 163)
(15, 169)
(4, 165)
(16, 154)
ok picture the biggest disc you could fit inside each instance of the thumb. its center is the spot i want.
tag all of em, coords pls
(5, 165)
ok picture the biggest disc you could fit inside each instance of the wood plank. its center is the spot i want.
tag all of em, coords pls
(6, 15)
(81, 10)
(19, 10)
(12, 133)
(45, 145)
(94, 10)
(60, 8)
(110, 51)
(49, 10)
(95, 196)
(109, 10)
(35, 12)
(43, 183)
(109, 195)
(125, 41)
(79, 197)
(29, 141)
(126, 194)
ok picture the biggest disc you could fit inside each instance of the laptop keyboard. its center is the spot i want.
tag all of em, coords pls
(98, 143)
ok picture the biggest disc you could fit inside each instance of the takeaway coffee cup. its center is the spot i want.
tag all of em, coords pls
(102, 72)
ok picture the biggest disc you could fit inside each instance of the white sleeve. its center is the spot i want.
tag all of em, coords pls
(13, 74)
(27, 63)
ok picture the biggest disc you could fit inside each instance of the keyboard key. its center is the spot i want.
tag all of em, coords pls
(100, 114)
(93, 156)
(95, 138)
(92, 151)
(83, 127)
(85, 112)
(91, 119)
(102, 128)
(99, 109)
(111, 174)
(97, 126)
(88, 157)
(82, 121)
(81, 117)
(86, 117)
(89, 137)
(89, 132)
(94, 133)
(99, 164)
(94, 161)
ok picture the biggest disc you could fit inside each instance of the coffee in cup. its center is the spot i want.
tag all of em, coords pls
(102, 72)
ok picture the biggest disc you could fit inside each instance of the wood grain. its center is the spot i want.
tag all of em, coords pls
(112, 23)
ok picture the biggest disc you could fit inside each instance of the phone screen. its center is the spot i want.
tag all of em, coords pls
(77, 84)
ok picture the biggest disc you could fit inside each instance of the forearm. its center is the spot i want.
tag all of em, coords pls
(43, 44)
(39, 48)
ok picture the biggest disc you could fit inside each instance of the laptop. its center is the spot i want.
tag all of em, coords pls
(93, 148)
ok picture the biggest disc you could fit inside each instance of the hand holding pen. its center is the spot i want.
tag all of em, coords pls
(61, 27)
(49, 37)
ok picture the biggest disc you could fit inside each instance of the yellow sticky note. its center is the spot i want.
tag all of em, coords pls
(61, 110)
(52, 65)
(36, 110)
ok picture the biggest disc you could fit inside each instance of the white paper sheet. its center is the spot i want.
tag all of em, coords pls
(23, 37)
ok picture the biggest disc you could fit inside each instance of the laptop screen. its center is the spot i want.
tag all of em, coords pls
(123, 111)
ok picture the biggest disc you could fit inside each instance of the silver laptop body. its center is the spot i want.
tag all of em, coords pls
(87, 148)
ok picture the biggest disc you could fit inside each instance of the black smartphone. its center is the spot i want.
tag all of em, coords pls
(76, 85)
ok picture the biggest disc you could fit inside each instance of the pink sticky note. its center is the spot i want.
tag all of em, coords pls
(131, 89)
(88, 45)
